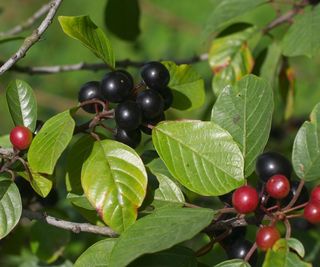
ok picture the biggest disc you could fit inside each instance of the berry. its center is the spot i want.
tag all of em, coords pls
(152, 122)
(128, 115)
(236, 233)
(315, 195)
(278, 186)
(116, 86)
(312, 212)
(39, 125)
(303, 197)
(21, 137)
(265, 199)
(227, 198)
(266, 237)
(155, 75)
(151, 103)
(89, 91)
(130, 138)
(245, 199)
(240, 249)
(271, 163)
(167, 95)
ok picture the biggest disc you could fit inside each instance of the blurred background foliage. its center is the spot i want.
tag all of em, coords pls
(169, 30)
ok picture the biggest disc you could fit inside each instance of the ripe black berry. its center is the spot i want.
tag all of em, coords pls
(155, 75)
(89, 91)
(303, 197)
(167, 96)
(116, 86)
(240, 249)
(236, 234)
(128, 115)
(39, 125)
(130, 138)
(271, 163)
(151, 103)
(144, 127)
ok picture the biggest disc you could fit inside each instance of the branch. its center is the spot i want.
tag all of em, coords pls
(95, 66)
(71, 226)
(33, 38)
(29, 22)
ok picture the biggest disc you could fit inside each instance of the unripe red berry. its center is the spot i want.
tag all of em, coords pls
(245, 199)
(278, 186)
(315, 195)
(21, 137)
(312, 212)
(266, 237)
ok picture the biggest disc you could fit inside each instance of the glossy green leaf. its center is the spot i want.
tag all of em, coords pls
(161, 230)
(76, 156)
(233, 263)
(187, 86)
(226, 11)
(174, 257)
(200, 155)
(245, 111)
(158, 166)
(306, 148)
(10, 206)
(123, 22)
(230, 58)
(297, 246)
(97, 255)
(22, 104)
(303, 36)
(83, 29)
(79, 201)
(50, 142)
(114, 180)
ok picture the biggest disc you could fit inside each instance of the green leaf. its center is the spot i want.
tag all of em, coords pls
(10, 206)
(174, 257)
(230, 58)
(123, 22)
(233, 263)
(83, 29)
(114, 180)
(227, 11)
(22, 104)
(79, 201)
(158, 231)
(5, 141)
(77, 155)
(303, 36)
(50, 142)
(297, 246)
(245, 111)
(158, 166)
(187, 86)
(306, 148)
(97, 255)
(200, 155)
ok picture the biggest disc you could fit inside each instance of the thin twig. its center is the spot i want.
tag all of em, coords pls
(29, 22)
(296, 196)
(251, 251)
(67, 225)
(288, 228)
(33, 38)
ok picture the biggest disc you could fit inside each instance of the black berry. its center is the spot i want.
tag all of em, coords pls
(89, 91)
(39, 125)
(144, 127)
(128, 115)
(155, 75)
(151, 103)
(116, 86)
(236, 234)
(240, 249)
(130, 138)
(303, 197)
(271, 163)
(167, 96)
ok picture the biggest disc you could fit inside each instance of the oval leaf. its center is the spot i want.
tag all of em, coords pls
(97, 255)
(306, 148)
(297, 246)
(114, 180)
(50, 142)
(83, 29)
(187, 86)
(245, 111)
(10, 206)
(22, 104)
(200, 155)
(161, 230)
(233, 263)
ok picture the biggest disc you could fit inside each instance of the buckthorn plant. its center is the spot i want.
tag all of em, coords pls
(160, 133)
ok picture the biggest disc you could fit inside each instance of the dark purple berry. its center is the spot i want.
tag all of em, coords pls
(151, 103)
(144, 127)
(128, 115)
(155, 75)
(89, 91)
(130, 138)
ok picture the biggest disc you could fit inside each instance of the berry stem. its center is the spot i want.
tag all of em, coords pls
(251, 251)
(298, 215)
(295, 208)
(288, 228)
(296, 196)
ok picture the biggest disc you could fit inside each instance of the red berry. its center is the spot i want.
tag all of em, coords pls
(315, 195)
(20, 137)
(278, 186)
(312, 212)
(245, 199)
(266, 237)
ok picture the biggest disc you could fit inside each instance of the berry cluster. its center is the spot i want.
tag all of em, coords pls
(137, 110)
(276, 198)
